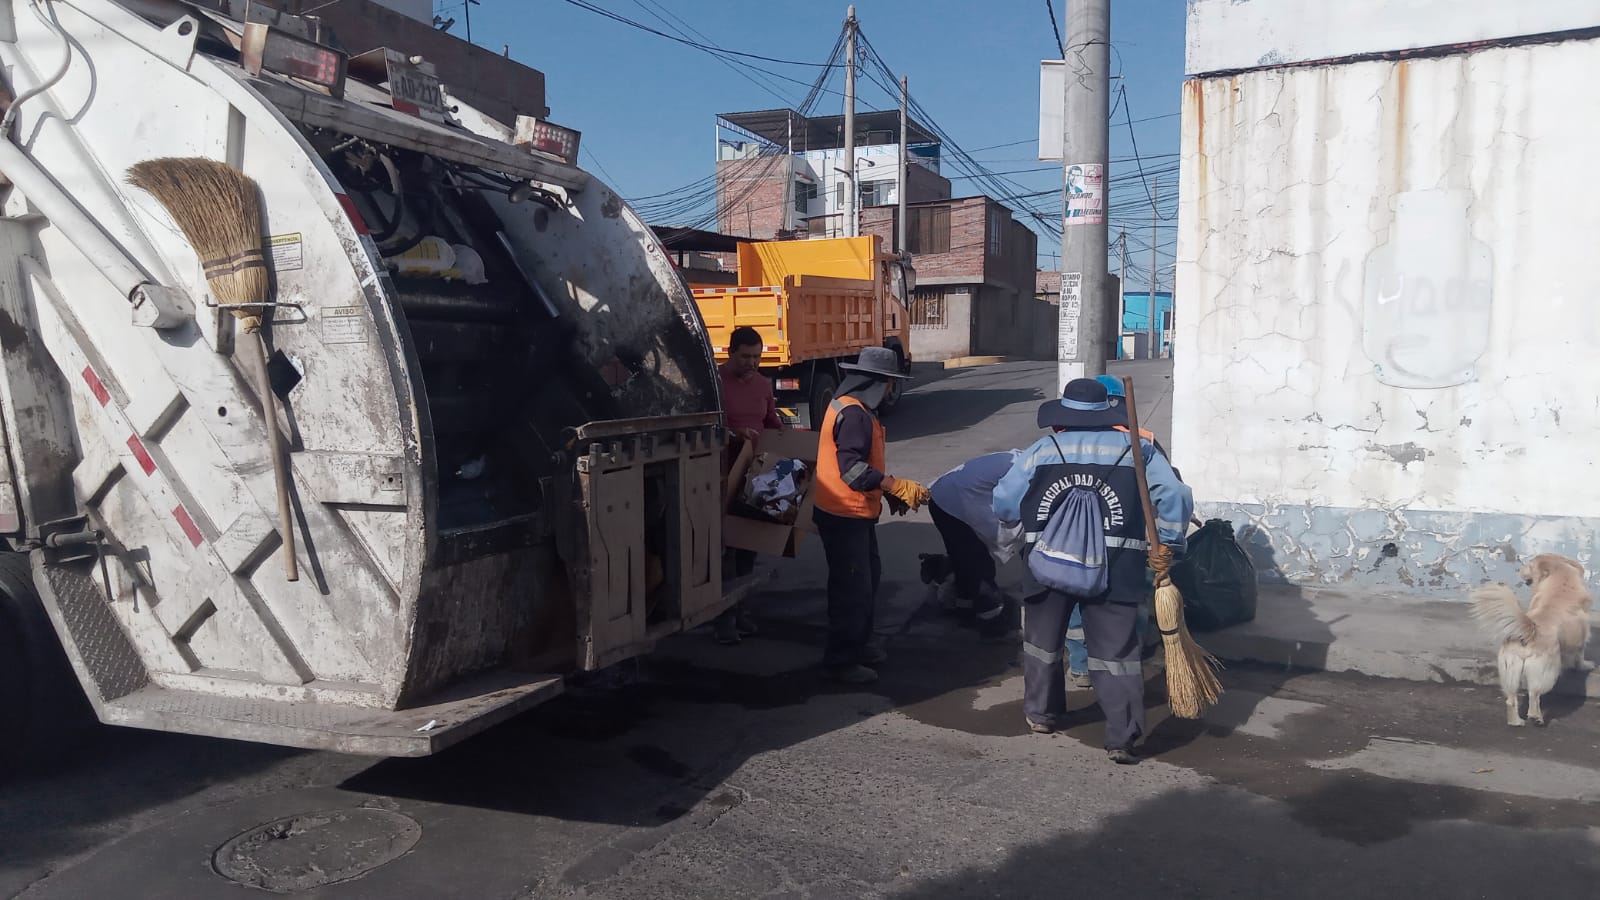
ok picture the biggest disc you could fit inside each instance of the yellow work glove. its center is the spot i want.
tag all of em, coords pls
(909, 492)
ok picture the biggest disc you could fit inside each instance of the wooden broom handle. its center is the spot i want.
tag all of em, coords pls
(280, 465)
(1151, 533)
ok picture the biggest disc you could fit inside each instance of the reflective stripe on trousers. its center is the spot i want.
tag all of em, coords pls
(1111, 632)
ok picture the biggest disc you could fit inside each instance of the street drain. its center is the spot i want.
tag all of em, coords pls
(301, 852)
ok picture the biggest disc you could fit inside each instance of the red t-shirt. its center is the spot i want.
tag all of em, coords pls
(748, 402)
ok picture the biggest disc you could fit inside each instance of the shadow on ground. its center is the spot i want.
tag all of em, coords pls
(1218, 842)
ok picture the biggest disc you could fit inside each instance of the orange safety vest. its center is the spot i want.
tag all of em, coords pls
(833, 495)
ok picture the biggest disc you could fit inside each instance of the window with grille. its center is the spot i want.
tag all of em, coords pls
(875, 193)
(997, 230)
(927, 308)
(928, 229)
(804, 193)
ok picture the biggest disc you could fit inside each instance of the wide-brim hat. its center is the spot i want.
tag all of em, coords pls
(876, 362)
(1083, 404)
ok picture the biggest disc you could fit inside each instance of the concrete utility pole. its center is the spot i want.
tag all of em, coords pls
(1155, 340)
(850, 223)
(1086, 110)
(1122, 290)
(905, 168)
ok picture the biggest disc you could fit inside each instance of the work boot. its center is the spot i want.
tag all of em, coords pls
(1122, 757)
(743, 621)
(1040, 727)
(727, 630)
(849, 674)
(1081, 681)
(873, 655)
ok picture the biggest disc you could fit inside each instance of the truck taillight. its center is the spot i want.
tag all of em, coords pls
(548, 137)
(270, 50)
(788, 384)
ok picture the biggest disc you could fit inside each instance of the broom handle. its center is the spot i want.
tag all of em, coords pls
(1151, 534)
(280, 468)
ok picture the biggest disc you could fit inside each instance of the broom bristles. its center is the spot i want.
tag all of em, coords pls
(1192, 683)
(218, 208)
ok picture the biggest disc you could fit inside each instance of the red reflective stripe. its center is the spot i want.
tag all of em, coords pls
(354, 214)
(141, 454)
(187, 524)
(95, 385)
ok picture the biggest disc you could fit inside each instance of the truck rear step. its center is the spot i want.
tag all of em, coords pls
(465, 710)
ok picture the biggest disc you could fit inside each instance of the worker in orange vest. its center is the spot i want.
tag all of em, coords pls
(851, 490)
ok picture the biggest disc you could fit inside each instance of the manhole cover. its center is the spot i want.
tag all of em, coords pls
(306, 851)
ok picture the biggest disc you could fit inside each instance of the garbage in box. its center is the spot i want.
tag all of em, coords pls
(775, 487)
(772, 480)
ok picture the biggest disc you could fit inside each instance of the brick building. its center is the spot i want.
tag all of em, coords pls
(976, 279)
(781, 174)
(495, 84)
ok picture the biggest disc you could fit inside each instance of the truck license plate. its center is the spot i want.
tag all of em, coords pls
(415, 91)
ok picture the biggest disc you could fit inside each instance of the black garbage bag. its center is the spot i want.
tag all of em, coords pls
(1217, 579)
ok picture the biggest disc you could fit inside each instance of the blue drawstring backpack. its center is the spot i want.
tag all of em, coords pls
(1070, 555)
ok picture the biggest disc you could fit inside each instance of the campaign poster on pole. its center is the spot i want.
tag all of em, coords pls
(1086, 193)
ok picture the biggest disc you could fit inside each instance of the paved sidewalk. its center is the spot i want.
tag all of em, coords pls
(1385, 635)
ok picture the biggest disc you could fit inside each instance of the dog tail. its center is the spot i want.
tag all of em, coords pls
(1498, 611)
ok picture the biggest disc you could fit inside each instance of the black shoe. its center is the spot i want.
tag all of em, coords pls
(727, 632)
(849, 674)
(746, 625)
(873, 656)
(935, 567)
(1122, 757)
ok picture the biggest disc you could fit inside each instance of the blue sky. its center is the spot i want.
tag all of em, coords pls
(646, 105)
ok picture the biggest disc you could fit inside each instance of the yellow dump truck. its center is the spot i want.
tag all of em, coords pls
(816, 304)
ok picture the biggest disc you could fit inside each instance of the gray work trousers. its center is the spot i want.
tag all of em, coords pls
(1111, 632)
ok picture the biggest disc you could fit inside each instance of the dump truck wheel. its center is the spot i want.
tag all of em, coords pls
(823, 387)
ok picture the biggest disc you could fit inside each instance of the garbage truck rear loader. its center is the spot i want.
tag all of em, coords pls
(498, 403)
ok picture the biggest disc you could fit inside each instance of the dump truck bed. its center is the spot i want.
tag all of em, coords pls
(808, 300)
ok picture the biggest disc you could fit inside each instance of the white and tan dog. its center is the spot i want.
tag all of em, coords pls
(1539, 643)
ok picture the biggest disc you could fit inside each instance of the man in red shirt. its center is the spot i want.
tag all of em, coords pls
(747, 398)
(749, 407)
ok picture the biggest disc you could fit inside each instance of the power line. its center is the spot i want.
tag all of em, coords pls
(737, 67)
(709, 48)
(1060, 44)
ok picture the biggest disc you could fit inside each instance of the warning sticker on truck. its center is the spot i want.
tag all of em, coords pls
(343, 325)
(288, 252)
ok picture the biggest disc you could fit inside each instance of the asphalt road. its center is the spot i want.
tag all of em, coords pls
(732, 772)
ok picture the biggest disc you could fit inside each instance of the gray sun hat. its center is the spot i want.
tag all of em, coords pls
(867, 379)
(878, 362)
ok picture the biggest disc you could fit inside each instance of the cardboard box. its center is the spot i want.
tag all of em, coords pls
(759, 535)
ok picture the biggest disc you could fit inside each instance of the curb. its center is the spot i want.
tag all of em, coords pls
(968, 362)
(1443, 666)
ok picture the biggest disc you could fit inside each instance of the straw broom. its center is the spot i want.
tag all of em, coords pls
(218, 208)
(1192, 684)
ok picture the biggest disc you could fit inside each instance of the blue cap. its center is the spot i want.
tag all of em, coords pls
(1113, 385)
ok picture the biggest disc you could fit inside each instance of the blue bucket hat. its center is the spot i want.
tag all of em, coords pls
(1084, 403)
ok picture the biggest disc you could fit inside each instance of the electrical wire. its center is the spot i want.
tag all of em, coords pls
(709, 48)
(1060, 45)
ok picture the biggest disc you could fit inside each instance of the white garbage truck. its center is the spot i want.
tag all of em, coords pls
(497, 402)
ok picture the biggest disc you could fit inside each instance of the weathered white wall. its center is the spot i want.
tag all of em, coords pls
(1390, 328)
(1232, 35)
